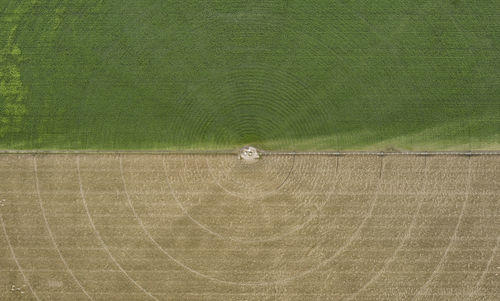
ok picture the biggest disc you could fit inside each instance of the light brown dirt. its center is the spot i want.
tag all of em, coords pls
(211, 227)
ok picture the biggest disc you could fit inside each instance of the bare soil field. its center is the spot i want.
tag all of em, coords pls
(284, 227)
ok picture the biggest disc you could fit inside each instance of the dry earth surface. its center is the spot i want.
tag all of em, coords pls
(212, 227)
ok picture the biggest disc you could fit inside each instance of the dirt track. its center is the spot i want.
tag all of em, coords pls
(212, 227)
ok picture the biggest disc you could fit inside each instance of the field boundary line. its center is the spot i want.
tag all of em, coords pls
(262, 152)
(382, 153)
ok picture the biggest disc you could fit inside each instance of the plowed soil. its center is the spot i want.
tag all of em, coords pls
(212, 227)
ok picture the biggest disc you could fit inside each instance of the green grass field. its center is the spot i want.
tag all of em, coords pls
(88, 74)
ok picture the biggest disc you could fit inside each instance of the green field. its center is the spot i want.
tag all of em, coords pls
(387, 74)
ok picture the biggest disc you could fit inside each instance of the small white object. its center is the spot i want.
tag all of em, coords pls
(249, 153)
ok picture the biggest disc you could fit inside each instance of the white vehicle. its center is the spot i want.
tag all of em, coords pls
(249, 153)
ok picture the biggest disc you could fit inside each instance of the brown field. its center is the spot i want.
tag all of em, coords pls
(212, 227)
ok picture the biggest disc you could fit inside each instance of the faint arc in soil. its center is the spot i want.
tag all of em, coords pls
(486, 269)
(20, 268)
(268, 283)
(401, 244)
(52, 238)
(452, 239)
(99, 237)
(235, 239)
(260, 196)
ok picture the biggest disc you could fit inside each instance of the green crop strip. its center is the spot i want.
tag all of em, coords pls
(294, 75)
